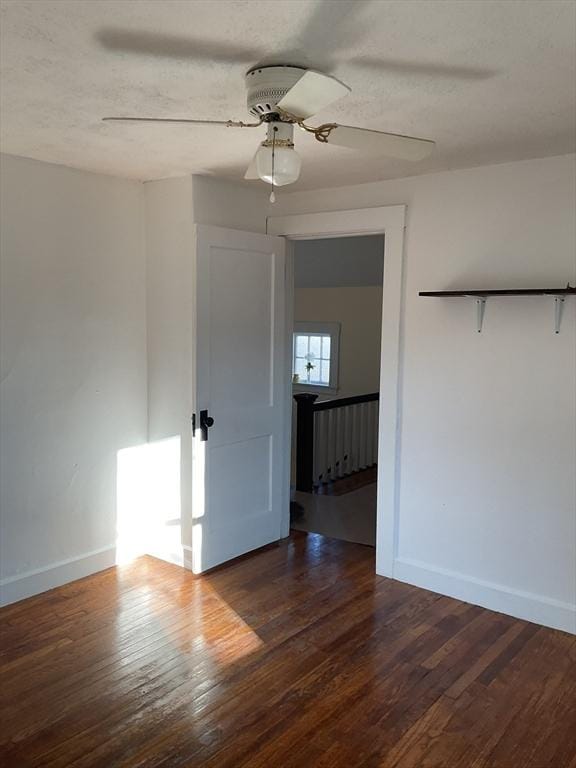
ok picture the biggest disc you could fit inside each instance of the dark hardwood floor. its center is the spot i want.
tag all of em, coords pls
(295, 657)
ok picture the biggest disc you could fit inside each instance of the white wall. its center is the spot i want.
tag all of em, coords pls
(231, 205)
(339, 262)
(169, 244)
(487, 503)
(359, 312)
(73, 367)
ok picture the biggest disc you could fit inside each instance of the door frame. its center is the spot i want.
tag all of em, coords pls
(390, 222)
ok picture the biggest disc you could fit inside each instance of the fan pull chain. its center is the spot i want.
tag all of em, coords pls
(272, 195)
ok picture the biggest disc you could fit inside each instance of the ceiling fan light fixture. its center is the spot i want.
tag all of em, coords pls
(282, 96)
(278, 165)
(277, 162)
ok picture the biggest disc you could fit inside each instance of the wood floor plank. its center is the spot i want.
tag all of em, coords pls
(298, 656)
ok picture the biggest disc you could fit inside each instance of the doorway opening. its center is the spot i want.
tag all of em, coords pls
(335, 367)
(388, 220)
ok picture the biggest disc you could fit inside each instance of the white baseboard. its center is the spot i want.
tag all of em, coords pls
(187, 557)
(522, 605)
(40, 580)
(496, 597)
(183, 558)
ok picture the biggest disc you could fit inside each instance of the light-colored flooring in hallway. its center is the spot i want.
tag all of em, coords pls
(350, 517)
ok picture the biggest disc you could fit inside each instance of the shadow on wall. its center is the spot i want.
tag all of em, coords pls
(148, 501)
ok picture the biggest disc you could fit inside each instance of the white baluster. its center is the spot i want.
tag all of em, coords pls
(331, 444)
(317, 449)
(361, 436)
(335, 443)
(352, 447)
(336, 422)
(341, 441)
(321, 459)
(358, 441)
(347, 439)
(326, 462)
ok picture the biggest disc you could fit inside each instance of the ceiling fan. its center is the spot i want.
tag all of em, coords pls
(282, 96)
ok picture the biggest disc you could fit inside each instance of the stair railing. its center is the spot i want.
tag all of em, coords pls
(334, 438)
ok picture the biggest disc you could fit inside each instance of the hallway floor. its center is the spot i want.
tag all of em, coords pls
(349, 516)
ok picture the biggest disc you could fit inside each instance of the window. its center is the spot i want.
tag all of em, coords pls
(315, 356)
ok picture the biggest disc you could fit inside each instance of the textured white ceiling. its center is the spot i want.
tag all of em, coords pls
(489, 80)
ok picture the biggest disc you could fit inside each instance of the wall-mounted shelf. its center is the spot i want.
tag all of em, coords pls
(559, 294)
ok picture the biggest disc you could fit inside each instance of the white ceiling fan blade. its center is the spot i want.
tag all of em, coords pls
(251, 172)
(388, 144)
(312, 93)
(225, 123)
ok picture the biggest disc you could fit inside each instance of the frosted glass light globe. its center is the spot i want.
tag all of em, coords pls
(287, 164)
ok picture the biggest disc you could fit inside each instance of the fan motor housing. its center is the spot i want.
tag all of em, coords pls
(267, 85)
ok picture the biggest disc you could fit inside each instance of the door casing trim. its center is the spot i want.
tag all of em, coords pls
(390, 222)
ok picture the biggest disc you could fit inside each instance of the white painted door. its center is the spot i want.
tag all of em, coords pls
(240, 380)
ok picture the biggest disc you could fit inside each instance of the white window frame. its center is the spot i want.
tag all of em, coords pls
(332, 329)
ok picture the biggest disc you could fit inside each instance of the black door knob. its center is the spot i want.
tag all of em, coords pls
(205, 423)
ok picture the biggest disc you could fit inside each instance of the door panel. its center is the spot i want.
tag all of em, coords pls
(241, 380)
(250, 502)
(242, 324)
